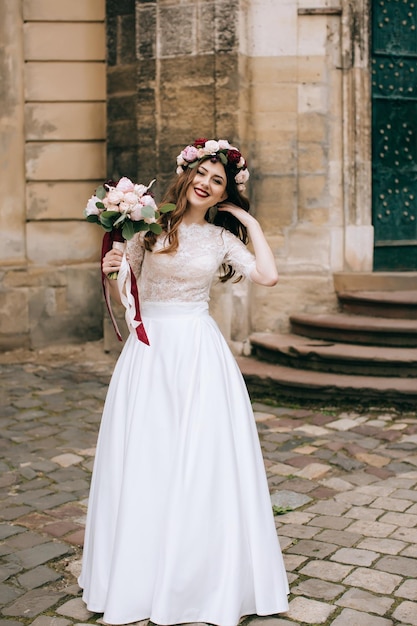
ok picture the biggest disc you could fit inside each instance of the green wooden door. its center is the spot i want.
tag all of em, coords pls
(394, 133)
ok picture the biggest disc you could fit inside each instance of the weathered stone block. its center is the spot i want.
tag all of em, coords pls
(65, 120)
(226, 21)
(312, 191)
(111, 42)
(14, 312)
(312, 69)
(121, 107)
(55, 81)
(311, 158)
(63, 242)
(123, 134)
(67, 10)
(275, 97)
(277, 126)
(312, 35)
(127, 38)
(58, 200)
(119, 7)
(146, 33)
(62, 161)
(72, 315)
(273, 69)
(205, 32)
(122, 79)
(54, 40)
(176, 33)
(275, 202)
(123, 162)
(272, 29)
(312, 127)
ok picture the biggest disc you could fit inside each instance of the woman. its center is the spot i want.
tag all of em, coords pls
(180, 526)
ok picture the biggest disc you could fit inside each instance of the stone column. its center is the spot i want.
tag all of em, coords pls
(12, 165)
(357, 174)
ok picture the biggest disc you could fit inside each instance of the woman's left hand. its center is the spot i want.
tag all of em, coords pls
(240, 214)
(265, 272)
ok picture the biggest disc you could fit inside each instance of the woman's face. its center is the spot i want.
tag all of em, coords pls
(208, 186)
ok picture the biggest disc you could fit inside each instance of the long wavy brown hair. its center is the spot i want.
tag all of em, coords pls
(176, 194)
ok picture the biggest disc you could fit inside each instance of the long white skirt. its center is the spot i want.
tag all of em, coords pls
(180, 525)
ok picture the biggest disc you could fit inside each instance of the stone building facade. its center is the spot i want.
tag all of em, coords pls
(288, 81)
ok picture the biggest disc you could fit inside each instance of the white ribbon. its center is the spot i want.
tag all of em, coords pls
(124, 283)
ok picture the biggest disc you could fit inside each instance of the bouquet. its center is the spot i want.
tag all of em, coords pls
(123, 209)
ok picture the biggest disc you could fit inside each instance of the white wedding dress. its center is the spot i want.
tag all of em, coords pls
(180, 525)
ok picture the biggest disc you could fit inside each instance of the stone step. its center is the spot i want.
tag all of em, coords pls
(276, 382)
(375, 281)
(345, 328)
(315, 354)
(395, 304)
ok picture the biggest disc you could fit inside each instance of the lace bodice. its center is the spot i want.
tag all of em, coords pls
(187, 274)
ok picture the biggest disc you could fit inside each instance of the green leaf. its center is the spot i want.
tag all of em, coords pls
(148, 211)
(120, 220)
(100, 205)
(155, 228)
(223, 158)
(105, 221)
(127, 230)
(193, 165)
(166, 208)
(142, 226)
(110, 214)
(93, 218)
(101, 192)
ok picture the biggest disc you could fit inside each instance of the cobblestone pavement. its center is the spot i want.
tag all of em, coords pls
(348, 477)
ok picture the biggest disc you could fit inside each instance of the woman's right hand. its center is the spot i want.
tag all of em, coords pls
(112, 261)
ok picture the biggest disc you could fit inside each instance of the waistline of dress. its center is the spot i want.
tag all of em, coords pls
(174, 309)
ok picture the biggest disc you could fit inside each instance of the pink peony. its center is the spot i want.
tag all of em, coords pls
(91, 208)
(114, 196)
(224, 145)
(211, 147)
(189, 154)
(125, 185)
(130, 197)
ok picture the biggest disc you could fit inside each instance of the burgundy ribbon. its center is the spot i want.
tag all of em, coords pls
(108, 239)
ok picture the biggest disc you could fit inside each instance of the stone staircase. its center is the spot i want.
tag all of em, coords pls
(366, 353)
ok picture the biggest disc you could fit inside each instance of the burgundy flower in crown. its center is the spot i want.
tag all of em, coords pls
(220, 150)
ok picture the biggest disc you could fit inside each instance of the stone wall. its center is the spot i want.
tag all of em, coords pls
(53, 154)
(280, 79)
(287, 81)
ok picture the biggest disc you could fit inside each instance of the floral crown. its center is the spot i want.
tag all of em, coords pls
(220, 150)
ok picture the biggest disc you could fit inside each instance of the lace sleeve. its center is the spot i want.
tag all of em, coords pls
(135, 250)
(237, 255)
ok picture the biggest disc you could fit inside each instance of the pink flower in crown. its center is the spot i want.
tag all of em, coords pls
(189, 154)
(125, 185)
(211, 147)
(242, 177)
(225, 145)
